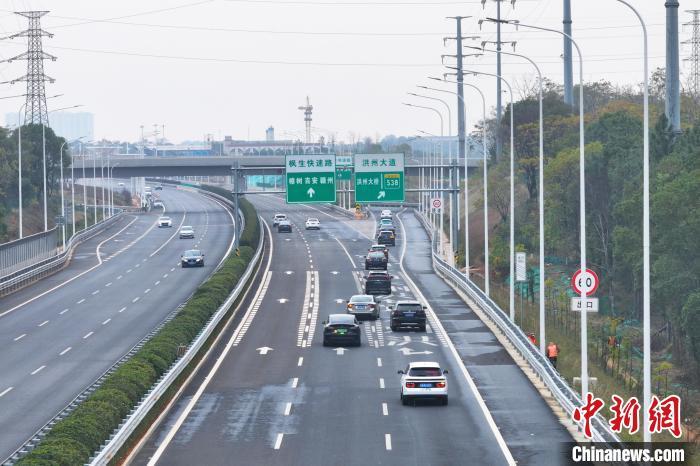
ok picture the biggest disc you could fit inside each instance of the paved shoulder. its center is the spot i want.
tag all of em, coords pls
(524, 419)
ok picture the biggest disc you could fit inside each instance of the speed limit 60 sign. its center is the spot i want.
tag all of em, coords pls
(587, 281)
(436, 204)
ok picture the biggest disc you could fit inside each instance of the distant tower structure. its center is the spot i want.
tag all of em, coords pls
(308, 108)
(270, 134)
(35, 78)
(673, 81)
(694, 58)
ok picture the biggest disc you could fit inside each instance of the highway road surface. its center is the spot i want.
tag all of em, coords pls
(60, 334)
(271, 394)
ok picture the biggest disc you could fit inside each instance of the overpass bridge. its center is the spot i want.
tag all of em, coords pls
(127, 166)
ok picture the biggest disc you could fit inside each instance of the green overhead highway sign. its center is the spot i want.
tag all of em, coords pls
(310, 178)
(379, 178)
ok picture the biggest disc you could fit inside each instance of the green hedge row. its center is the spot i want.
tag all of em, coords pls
(250, 236)
(73, 440)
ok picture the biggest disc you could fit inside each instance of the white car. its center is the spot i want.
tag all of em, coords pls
(313, 224)
(158, 204)
(386, 213)
(278, 218)
(121, 185)
(423, 380)
(165, 222)
(186, 232)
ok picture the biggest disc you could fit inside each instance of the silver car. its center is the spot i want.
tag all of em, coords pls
(186, 232)
(363, 305)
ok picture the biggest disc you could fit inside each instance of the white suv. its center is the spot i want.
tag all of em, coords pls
(423, 380)
(386, 213)
(313, 224)
(165, 222)
(278, 218)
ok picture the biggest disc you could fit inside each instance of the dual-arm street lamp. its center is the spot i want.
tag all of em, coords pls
(63, 203)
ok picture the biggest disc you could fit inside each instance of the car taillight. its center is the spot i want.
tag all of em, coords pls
(410, 385)
(440, 384)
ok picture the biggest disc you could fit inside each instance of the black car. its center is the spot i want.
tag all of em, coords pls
(408, 314)
(386, 237)
(341, 329)
(284, 226)
(192, 258)
(378, 283)
(376, 261)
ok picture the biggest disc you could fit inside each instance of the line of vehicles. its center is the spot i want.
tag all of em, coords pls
(420, 380)
(191, 257)
(284, 225)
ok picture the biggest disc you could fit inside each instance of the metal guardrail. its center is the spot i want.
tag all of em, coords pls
(28, 251)
(117, 440)
(567, 398)
(13, 281)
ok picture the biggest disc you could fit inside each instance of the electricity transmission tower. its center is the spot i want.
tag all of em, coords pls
(694, 58)
(35, 78)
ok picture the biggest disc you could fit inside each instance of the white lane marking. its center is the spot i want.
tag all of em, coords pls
(381, 382)
(376, 344)
(65, 351)
(253, 309)
(87, 335)
(43, 323)
(129, 271)
(135, 299)
(439, 329)
(109, 284)
(122, 309)
(72, 278)
(173, 269)
(81, 301)
(295, 382)
(354, 266)
(95, 292)
(278, 442)
(287, 409)
(301, 341)
(20, 337)
(165, 275)
(385, 409)
(314, 311)
(119, 277)
(106, 321)
(6, 391)
(156, 283)
(379, 362)
(387, 441)
(63, 311)
(137, 266)
(37, 370)
(200, 390)
(148, 290)
(301, 361)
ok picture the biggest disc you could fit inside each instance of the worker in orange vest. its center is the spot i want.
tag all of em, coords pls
(553, 353)
(531, 337)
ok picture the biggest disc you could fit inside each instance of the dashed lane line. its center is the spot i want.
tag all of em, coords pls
(387, 441)
(278, 442)
(43, 323)
(37, 370)
(65, 351)
(385, 409)
(87, 335)
(381, 383)
(6, 391)
(20, 337)
(300, 362)
(63, 311)
(287, 409)
(295, 382)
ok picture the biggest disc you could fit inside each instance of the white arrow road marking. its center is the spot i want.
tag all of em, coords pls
(334, 272)
(288, 272)
(424, 340)
(410, 352)
(406, 340)
(340, 351)
(282, 300)
(391, 343)
(264, 350)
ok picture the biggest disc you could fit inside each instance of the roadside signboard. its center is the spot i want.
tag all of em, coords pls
(310, 178)
(436, 204)
(379, 178)
(59, 220)
(520, 267)
(343, 173)
(589, 280)
(343, 160)
(591, 304)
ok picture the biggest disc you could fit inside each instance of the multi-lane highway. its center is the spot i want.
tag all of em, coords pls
(270, 393)
(60, 334)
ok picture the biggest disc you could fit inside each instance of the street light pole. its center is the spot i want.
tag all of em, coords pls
(19, 171)
(454, 199)
(646, 281)
(540, 196)
(582, 201)
(511, 293)
(466, 188)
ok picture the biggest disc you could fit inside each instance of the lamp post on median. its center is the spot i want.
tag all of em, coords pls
(19, 171)
(63, 203)
(582, 199)
(646, 281)
(540, 196)
(466, 188)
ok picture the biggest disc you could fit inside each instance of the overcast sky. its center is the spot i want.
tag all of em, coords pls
(234, 67)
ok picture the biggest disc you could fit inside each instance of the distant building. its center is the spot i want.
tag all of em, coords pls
(183, 150)
(69, 125)
(270, 134)
(272, 147)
